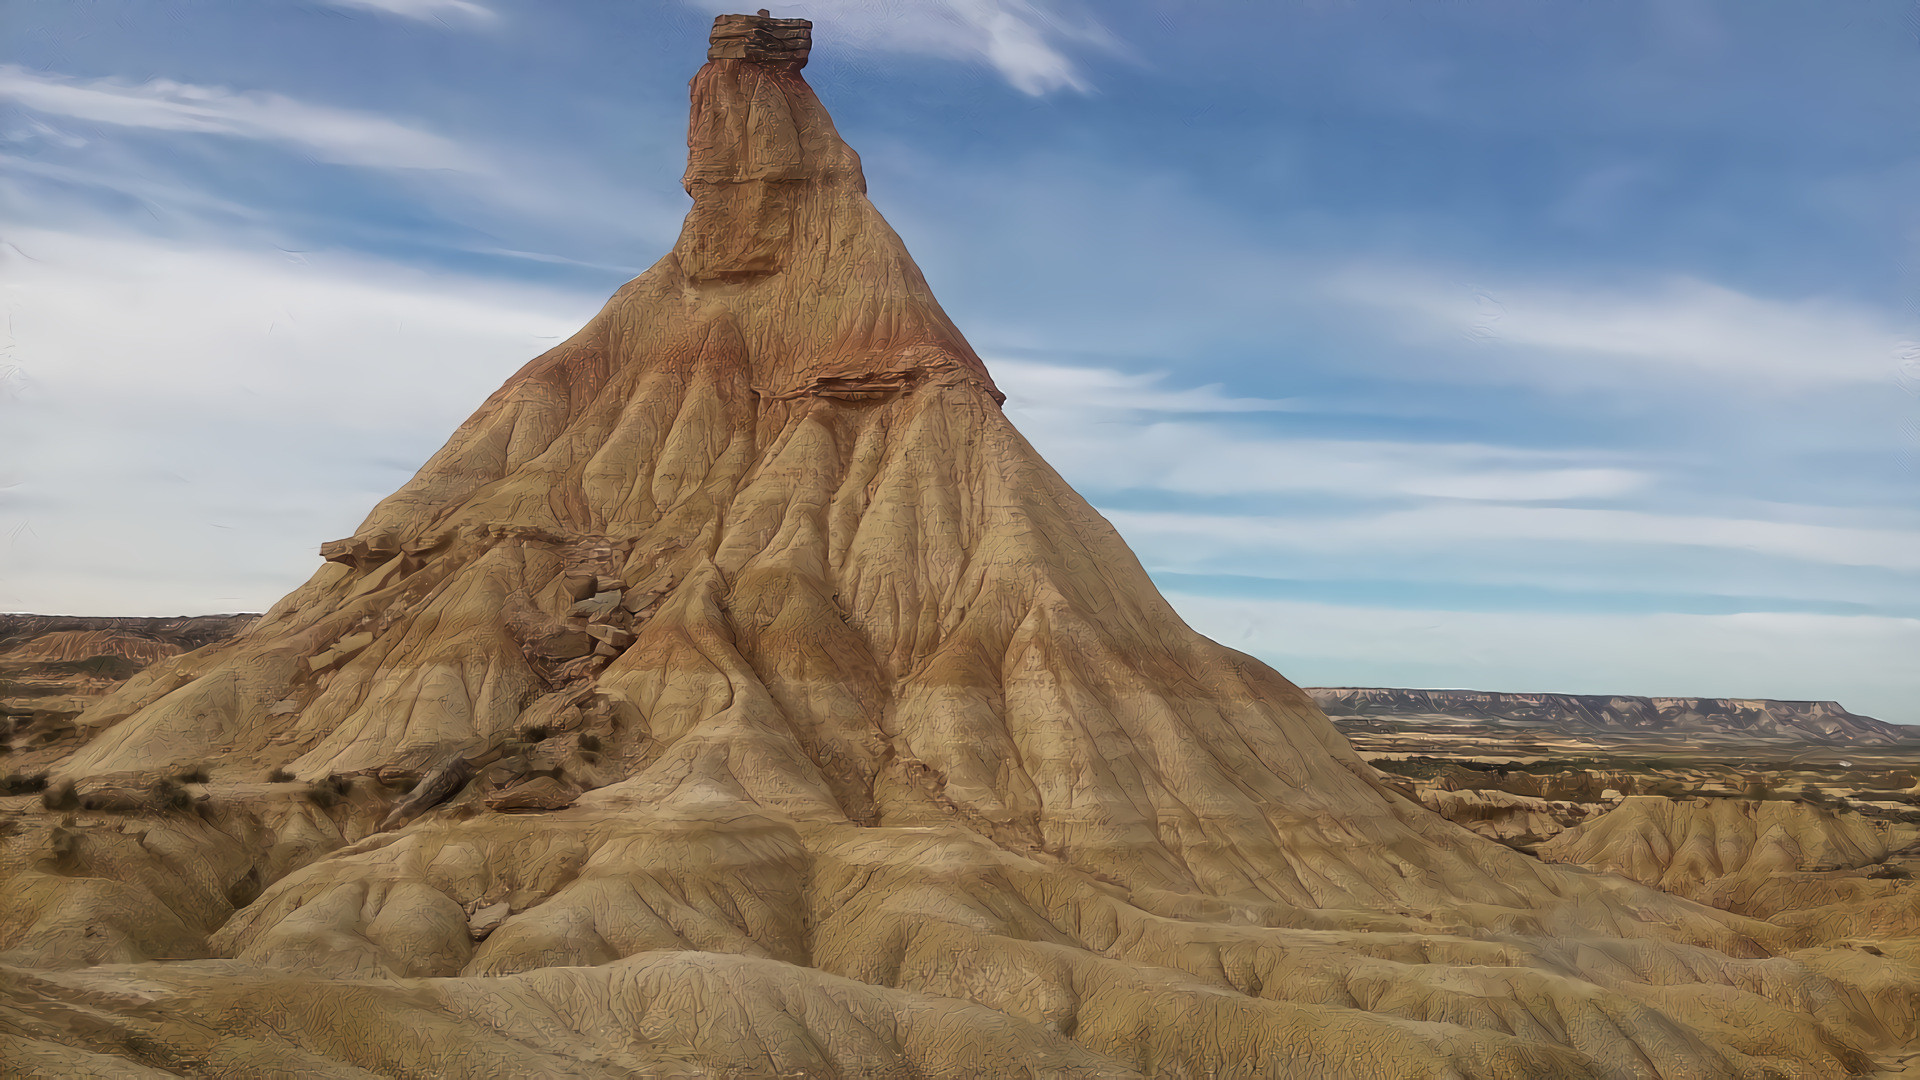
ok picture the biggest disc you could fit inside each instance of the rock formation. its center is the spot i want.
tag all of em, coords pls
(771, 708)
(1797, 864)
(1816, 721)
(1678, 844)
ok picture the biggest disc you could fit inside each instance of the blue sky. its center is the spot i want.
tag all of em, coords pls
(1509, 345)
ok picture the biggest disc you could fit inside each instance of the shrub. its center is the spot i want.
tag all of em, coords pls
(21, 784)
(196, 774)
(61, 796)
(590, 743)
(536, 732)
(171, 796)
(279, 776)
(245, 890)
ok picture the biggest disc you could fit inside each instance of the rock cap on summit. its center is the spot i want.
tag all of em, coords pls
(760, 39)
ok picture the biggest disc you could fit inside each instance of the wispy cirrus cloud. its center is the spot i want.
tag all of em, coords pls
(424, 10)
(1041, 385)
(1864, 659)
(1684, 326)
(1118, 431)
(1207, 459)
(1412, 532)
(1027, 41)
(341, 136)
(233, 405)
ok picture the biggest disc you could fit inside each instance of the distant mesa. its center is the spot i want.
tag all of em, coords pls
(1813, 721)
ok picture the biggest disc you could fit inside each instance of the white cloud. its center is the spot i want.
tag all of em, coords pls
(1024, 40)
(1106, 429)
(1687, 327)
(423, 10)
(1864, 661)
(1039, 386)
(191, 422)
(313, 331)
(1205, 459)
(1427, 529)
(29, 202)
(38, 131)
(551, 196)
(342, 136)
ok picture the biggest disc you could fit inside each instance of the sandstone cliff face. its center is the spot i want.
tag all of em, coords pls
(889, 758)
(1819, 721)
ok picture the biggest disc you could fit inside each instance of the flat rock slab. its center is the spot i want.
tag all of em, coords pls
(540, 793)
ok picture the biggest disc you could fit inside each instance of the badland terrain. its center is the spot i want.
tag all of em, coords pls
(738, 693)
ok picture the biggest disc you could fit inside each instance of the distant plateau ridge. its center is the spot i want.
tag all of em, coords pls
(1816, 721)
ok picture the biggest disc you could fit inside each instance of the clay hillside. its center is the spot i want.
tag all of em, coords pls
(1817, 721)
(737, 693)
(53, 666)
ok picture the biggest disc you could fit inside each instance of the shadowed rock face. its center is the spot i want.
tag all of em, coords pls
(848, 740)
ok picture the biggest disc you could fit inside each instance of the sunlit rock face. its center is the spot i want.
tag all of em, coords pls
(737, 692)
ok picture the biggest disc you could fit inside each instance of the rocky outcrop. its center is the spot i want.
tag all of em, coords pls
(1498, 815)
(1805, 866)
(1818, 721)
(1678, 843)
